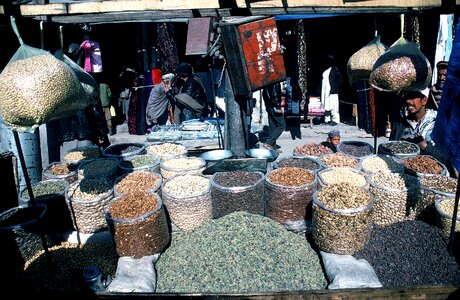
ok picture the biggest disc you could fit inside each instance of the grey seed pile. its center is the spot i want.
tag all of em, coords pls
(240, 252)
(410, 253)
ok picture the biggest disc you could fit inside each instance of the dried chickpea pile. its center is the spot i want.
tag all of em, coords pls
(338, 160)
(84, 153)
(342, 218)
(312, 150)
(188, 200)
(381, 163)
(137, 181)
(338, 175)
(167, 150)
(191, 165)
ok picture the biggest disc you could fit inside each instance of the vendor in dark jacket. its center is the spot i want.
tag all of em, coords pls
(416, 124)
(190, 101)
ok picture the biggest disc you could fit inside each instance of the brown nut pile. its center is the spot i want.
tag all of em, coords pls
(140, 225)
(288, 192)
(423, 164)
(311, 150)
(137, 181)
(291, 176)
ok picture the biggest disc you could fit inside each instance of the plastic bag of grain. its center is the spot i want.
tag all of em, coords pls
(444, 213)
(36, 87)
(288, 194)
(360, 64)
(87, 199)
(402, 67)
(237, 191)
(342, 218)
(433, 188)
(138, 224)
(187, 198)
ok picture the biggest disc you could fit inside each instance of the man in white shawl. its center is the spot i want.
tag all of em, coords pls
(157, 106)
(331, 83)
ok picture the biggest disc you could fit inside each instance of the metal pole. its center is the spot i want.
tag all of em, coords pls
(454, 219)
(31, 196)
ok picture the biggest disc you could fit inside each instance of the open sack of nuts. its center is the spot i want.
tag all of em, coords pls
(402, 67)
(360, 64)
(36, 87)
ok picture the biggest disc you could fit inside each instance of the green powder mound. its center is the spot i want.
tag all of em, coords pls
(240, 252)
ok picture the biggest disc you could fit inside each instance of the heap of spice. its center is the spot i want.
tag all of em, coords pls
(240, 252)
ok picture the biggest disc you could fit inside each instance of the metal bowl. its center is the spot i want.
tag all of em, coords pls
(270, 155)
(216, 155)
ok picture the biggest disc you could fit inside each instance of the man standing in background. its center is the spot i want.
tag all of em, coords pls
(331, 82)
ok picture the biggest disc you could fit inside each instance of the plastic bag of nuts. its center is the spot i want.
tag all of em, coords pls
(187, 198)
(61, 170)
(342, 218)
(433, 188)
(182, 165)
(237, 191)
(396, 196)
(100, 167)
(345, 174)
(138, 224)
(87, 199)
(141, 162)
(137, 181)
(167, 150)
(444, 213)
(288, 193)
(402, 67)
(360, 64)
(338, 159)
(81, 154)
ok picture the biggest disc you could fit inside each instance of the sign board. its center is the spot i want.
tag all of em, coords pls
(254, 55)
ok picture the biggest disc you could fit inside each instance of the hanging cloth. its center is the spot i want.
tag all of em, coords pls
(443, 42)
(92, 62)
